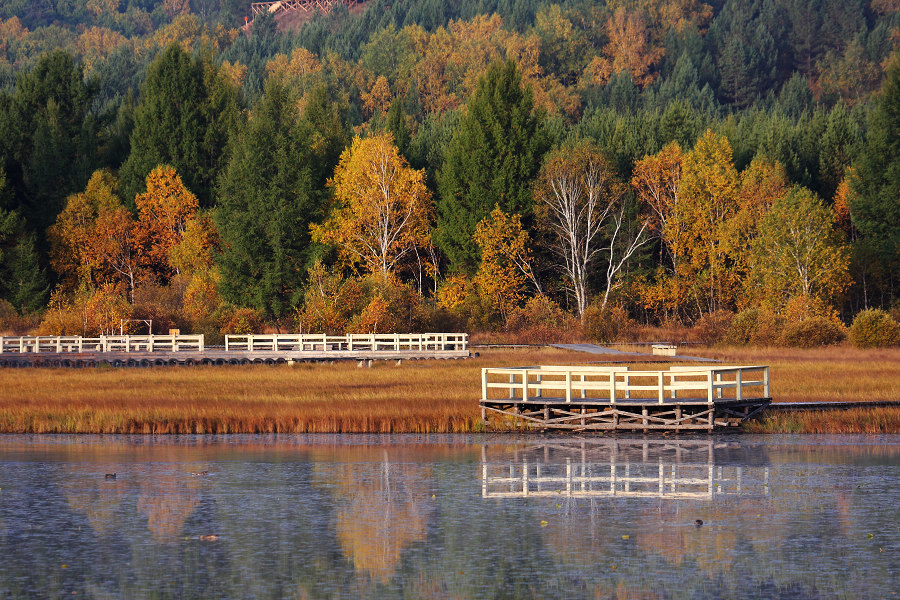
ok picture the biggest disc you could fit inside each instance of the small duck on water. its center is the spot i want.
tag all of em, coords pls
(110, 476)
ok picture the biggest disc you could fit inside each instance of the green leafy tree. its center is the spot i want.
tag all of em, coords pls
(799, 252)
(182, 119)
(492, 159)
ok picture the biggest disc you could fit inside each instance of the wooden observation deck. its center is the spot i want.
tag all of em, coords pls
(308, 6)
(585, 398)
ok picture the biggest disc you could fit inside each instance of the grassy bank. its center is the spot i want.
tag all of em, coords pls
(417, 396)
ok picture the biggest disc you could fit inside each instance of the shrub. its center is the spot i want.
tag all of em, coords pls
(605, 324)
(243, 321)
(753, 326)
(713, 327)
(812, 332)
(540, 321)
(874, 328)
(810, 322)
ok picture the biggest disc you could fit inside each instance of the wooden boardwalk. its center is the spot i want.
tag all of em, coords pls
(589, 398)
(157, 350)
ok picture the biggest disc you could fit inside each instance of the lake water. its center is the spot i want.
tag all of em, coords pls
(491, 516)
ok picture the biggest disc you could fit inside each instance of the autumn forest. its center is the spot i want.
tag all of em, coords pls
(519, 168)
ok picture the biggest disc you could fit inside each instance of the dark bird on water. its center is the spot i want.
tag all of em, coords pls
(698, 522)
(110, 476)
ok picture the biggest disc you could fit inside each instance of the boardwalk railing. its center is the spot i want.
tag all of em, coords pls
(104, 343)
(356, 342)
(617, 384)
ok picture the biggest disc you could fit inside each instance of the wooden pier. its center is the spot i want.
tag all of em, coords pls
(588, 398)
(189, 350)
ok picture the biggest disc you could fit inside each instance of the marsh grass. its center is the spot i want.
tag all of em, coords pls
(438, 396)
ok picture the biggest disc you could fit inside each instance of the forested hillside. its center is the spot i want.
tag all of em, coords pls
(499, 165)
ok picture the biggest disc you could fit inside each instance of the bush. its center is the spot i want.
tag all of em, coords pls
(753, 326)
(874, 328)
(812, 332)
(542, 321)
(605, 324)
(713, 327)
(243, 321)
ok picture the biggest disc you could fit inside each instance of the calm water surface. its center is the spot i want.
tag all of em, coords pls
(449, 517)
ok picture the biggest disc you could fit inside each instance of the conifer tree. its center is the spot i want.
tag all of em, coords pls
(493, 157)
(875, 208)
(182, 119)
(266, 202)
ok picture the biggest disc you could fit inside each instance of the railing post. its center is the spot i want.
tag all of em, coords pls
(201, 342)
(524, 385)
(766, 382)
(58, 344)
(709, 387)
(737, 386)
(21, 345)
(484, 387)
(662, 387)
(568, 386)
(612, 387)
(718, 387)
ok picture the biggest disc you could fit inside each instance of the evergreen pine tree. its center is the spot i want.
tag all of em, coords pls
(875, 209)
(494, 155)
(182, 119)
(267, 199)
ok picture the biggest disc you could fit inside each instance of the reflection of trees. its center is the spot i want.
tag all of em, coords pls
(383, 508)
(87, 492)
(167, 498)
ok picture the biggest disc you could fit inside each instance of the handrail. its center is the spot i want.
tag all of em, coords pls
(358, 342)
(612, 384)
(103, 343)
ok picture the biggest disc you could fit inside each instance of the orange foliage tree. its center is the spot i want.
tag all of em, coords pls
(164, 211)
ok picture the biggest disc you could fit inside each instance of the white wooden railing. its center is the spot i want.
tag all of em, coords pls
(103, 343)
(355, 342)
(613, 384)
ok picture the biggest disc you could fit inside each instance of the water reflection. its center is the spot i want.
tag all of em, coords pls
(449, 517)
(597, 468)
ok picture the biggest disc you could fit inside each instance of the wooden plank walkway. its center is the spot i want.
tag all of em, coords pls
(144, 351)
(588, 398)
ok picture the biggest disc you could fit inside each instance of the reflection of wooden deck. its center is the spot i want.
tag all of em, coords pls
(612, 468)
(584, 398)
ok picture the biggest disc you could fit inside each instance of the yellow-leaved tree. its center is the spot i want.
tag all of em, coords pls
(708, 193)
(382, 210)
(505, 260)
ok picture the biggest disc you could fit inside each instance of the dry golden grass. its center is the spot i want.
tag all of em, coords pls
(830, 374)
(417, 396)
(853, 420)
